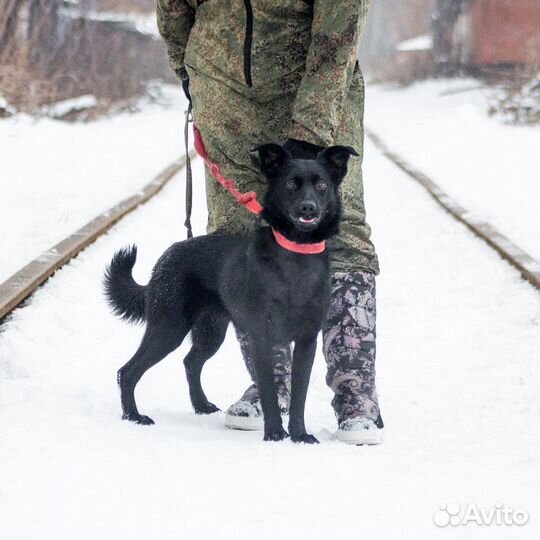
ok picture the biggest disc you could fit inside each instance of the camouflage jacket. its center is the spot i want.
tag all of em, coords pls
(266, 48)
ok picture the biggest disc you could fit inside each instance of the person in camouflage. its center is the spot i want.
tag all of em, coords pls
(285, 71)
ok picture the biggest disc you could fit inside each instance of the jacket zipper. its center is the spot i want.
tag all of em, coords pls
(248, 42)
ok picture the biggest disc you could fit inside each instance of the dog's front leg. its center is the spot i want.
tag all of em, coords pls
(304, 354)
(264, 370)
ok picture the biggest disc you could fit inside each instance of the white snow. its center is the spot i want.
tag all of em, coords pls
(61, 108)
(418, 43)
(56, 176)
(145, 23)
(458, 377)
(490, 168)
(5, 105)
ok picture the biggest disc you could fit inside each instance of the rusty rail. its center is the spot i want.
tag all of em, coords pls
(528, 267)
(22, 284)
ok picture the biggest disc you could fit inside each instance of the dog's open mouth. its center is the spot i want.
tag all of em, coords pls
(309, 220)
(306, 223)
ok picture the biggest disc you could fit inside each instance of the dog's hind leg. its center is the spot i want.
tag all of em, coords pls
(158, 341)
(207, 335)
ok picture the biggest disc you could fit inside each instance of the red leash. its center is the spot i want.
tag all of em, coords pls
(249, 200)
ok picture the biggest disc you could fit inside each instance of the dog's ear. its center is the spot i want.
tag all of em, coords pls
(335, 160)
(271, 157)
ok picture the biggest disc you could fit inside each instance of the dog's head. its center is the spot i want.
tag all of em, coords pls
(302, 201)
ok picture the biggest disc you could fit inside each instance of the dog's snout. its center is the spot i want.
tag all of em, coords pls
(308, 207)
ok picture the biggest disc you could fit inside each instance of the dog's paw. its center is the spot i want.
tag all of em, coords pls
(277, 434)
(305, 438)
(138, 419)
(205, 408)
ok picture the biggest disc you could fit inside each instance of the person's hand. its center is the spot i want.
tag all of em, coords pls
(302, 149)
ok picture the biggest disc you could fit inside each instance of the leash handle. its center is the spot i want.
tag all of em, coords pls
(189, 174)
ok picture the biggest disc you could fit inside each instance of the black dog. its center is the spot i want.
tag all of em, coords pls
(274, 295)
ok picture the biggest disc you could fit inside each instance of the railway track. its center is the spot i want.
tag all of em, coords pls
(528, 267)
(23, 283)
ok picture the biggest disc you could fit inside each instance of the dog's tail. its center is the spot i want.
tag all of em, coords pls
(125, 296)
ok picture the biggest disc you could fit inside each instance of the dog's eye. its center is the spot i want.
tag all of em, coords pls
(291, 184)
(321, 185)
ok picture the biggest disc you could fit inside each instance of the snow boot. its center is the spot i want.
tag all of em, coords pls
(246, 414)
(361, 430)
(349, 349)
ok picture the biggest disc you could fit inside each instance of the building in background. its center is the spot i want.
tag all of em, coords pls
(501, 32)
(405, 41)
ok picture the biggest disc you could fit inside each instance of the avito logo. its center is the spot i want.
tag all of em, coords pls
(499, 514)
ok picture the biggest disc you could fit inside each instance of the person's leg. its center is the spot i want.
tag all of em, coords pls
(350, 330)
(246, 413)
(349, 347)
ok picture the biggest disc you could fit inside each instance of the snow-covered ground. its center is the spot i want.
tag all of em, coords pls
(55, 176)
(490, 168)
(459, 334)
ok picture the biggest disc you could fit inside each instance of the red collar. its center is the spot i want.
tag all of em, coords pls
(304, 249)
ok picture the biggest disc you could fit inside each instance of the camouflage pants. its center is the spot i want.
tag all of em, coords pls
(349, 345)
(349, 349)
(282, 372)
(233, 121)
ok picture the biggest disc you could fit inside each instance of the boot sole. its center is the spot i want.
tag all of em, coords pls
(244, 423)
(359, 437)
